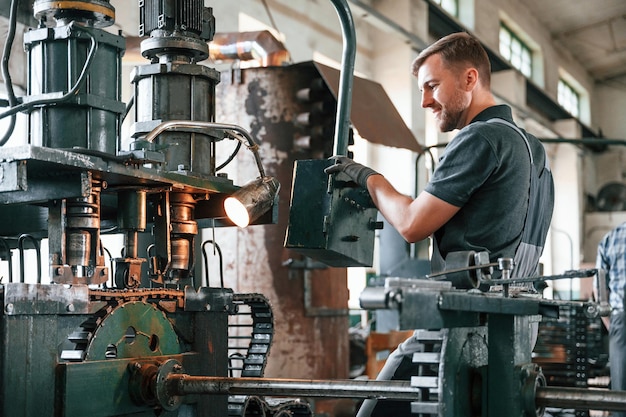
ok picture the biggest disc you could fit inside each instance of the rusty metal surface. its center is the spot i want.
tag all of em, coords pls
(265, 103)
(249, 46)
(29, 299)
(57, 173)
(373, 114)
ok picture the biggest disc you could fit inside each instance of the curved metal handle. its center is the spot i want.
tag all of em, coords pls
(344, 95)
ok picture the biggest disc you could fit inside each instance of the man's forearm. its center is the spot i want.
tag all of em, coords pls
(415, 219)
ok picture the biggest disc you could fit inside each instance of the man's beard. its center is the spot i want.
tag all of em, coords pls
(451, 115)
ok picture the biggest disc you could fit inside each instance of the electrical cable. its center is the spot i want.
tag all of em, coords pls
(104, 249)
(20, 246)
(206, 263)
(269, 14)
(231, 157)
(73, 91)
(6, 54)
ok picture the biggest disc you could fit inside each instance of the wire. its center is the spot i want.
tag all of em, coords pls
(206, 262)
(73, 91)
(127, 110)
(269, 14)
(231, 157)
(129, 106)
(20, 246)
(104, 249)
(8, 82)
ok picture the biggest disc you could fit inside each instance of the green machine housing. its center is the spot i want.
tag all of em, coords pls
(331, 219)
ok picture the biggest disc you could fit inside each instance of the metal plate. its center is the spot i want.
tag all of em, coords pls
(329, 220)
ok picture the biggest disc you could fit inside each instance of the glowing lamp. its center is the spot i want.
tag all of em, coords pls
(252, 200)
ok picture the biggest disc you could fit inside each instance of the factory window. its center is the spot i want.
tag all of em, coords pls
(450, 6)
(514, 50)
(569, 98)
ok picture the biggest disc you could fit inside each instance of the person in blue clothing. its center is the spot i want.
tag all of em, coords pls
(491, 191)
(612, 259)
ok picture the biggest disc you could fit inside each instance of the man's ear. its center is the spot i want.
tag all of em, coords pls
(470, 79)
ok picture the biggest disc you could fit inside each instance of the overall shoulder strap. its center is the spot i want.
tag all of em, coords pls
(518, 130)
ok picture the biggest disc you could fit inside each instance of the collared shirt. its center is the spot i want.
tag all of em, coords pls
(484, 170)
(612, 258)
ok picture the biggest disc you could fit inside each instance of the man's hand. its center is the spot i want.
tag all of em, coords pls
(357, 172)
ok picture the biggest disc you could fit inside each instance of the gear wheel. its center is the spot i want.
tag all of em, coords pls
(128, 330)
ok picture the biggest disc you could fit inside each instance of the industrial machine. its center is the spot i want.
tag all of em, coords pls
(147, 334)
(88, 341)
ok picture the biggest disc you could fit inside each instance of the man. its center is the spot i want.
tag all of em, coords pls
(612, 259)
(478, 197)
(491, 191)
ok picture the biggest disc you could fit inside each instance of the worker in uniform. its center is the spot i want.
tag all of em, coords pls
(612, 259)
(491, 190)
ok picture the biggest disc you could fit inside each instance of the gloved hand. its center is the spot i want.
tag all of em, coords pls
(357, 172)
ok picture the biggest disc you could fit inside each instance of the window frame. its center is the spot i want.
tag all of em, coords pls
(442, 3)
(565, 92)
(522, 60)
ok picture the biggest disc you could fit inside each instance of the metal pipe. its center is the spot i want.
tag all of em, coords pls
(585, 141)
(246, 46)
(580, 398)
(344, 94)
(381, 21)
(202, 127)
(182, 384)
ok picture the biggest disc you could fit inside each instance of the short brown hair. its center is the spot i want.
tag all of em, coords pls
(459, 50)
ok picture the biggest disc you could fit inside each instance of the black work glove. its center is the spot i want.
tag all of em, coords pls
(357, 172)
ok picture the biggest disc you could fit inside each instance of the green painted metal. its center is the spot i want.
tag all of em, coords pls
(344, 97)
(31, 331)
(69, 56)
(57, 173)
(509, 352)
(101, 388)
(36, 322)
(133, 330)
(330, 220)
(463, 357)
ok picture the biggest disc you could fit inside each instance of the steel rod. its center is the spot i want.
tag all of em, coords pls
(580, 398)
(346, 77)
(182, 384)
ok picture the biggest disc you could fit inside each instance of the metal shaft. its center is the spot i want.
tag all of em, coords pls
(580, 398)
(181, 384)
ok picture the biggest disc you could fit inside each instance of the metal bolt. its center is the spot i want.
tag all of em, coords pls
(59, 271)
(137, 366)
(208, 307)
(70, 308)
(9, 308)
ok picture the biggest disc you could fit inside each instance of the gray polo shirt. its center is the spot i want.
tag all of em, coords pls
(484, 170)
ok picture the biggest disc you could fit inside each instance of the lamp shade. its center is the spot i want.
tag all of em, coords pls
(252, 200)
